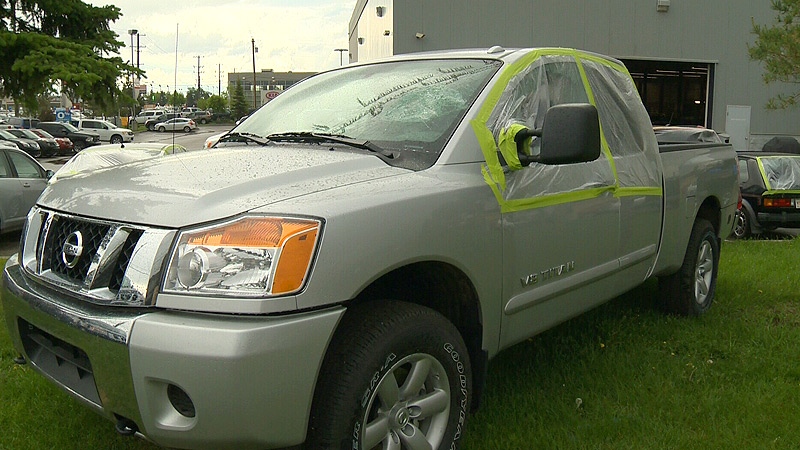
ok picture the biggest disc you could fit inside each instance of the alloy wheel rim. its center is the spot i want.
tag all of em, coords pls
(409, 407)
(704, 272)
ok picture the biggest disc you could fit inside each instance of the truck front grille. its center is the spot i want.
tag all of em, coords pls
(92, 235)
(104, 262)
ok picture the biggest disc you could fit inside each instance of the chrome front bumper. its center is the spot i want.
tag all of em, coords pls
(248, 381)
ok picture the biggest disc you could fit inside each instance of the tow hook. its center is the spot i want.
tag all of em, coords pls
(126, 427)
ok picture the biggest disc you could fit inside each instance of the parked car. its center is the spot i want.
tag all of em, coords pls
(22, 179)
(22, 122)
(201, 117)
(770, 186)
(188, 111)
(107, 131)
(65, 146)
(29, 146)
(178, 123)
(150, 124)
(81, 139)
(142, 117)
(47, 146)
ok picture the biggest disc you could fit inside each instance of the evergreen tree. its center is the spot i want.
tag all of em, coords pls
(47, 43)
(239, 105)
(778, 47)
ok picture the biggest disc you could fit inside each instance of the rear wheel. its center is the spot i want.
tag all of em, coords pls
(741, 225)
(690, 291)
(397, 375)
(186, 129)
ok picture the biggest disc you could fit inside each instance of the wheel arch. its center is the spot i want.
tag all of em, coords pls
(710, 210)
(748, 209)
(446, 289)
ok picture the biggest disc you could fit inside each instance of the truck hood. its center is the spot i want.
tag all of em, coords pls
(181, 189)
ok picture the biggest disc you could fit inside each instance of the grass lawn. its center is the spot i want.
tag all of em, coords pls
(623, 376)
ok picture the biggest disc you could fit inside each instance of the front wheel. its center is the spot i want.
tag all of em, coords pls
(161, 129)
(116, 139)
(690, 291)
(397, 375)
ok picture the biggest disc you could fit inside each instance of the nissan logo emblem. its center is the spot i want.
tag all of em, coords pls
(73, 249)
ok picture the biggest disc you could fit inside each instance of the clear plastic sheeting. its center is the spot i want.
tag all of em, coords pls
(548, 81)
(625, 123)
(781, 173)
(102, 156)
(525, 92)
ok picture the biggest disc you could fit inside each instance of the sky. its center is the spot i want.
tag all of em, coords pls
(290, 35)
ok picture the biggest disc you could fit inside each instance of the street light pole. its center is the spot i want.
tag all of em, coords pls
(341, 51)
(255, 50)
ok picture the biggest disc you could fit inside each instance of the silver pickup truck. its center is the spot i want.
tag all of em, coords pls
(338, 270)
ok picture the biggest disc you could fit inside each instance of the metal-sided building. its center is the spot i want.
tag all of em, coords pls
(689, 58)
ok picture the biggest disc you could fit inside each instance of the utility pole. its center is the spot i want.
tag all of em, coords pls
(198, 72)
(219, 79)
(133, 78)
(255, 50)
(137, 51)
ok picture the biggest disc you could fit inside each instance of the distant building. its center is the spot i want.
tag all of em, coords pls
(269, 84)
(689, 58)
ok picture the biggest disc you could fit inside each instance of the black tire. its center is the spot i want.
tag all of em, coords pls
(366, 394)
(741, 225)
(690, 291)
(151, 127)
(186, 129)
(161, 129)
(116, 139)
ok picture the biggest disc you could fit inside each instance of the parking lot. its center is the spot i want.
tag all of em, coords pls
(9, 242)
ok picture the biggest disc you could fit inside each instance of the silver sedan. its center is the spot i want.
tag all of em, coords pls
(176, 124)
(22, 179)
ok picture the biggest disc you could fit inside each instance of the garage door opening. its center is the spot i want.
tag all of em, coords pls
(675, 93)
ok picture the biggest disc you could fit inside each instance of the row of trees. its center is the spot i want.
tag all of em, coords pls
(194, 97)
(49, 46)
(66, 46)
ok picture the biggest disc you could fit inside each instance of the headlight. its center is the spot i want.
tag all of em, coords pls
(251, 257)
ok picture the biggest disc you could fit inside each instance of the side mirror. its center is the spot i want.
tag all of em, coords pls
(49, 174)
(570, 135)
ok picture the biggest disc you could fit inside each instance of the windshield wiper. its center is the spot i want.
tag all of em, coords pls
(244, 137)
(306, 136)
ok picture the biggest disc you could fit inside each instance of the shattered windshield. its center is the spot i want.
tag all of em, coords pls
(781, 172)
(409, 108)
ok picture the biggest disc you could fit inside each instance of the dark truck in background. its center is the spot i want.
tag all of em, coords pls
(337, 270)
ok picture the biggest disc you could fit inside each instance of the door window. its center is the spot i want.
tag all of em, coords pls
(5, 171)
(25, 167)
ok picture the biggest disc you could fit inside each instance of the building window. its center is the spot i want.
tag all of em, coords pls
(674, 93)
